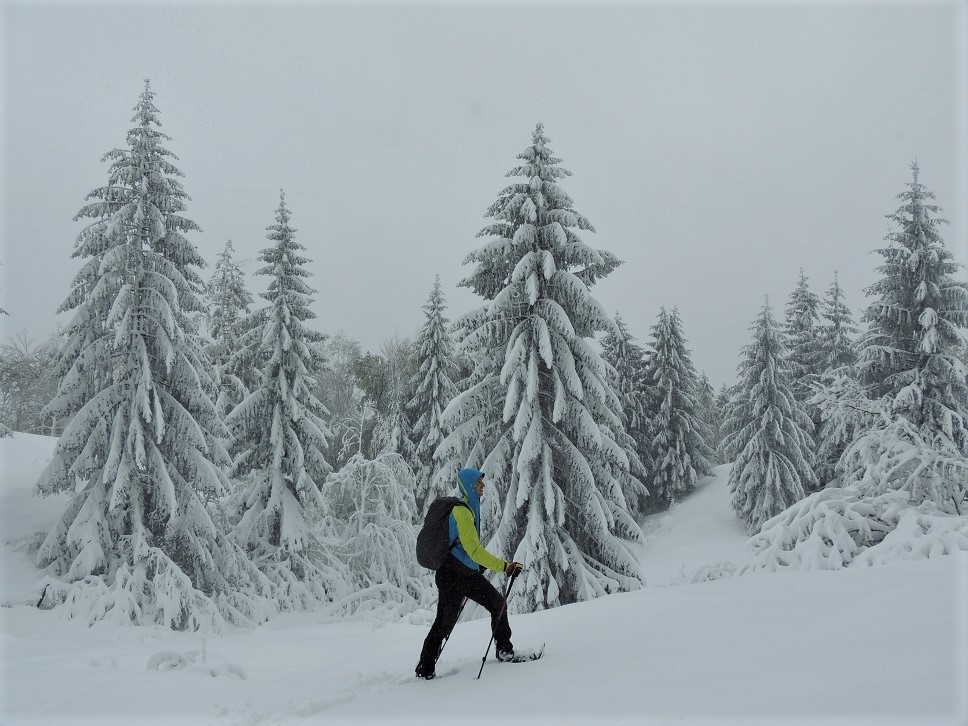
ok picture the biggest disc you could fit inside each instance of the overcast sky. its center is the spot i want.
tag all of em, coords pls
(716, 148)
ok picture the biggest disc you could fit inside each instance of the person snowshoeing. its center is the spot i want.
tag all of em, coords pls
(461, 576)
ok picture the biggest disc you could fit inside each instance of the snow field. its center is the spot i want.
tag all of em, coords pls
(872, 645)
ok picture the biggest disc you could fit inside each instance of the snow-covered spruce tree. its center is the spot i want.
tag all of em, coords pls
(805, 353)
(279, 430)
(910, 362)
(372, 510)
(766, 431)
(679, 445)
(627, 377)
(837, 401)
(229, 303)
(432, 388)
(836, 334)
(135, 544)
(552, 449)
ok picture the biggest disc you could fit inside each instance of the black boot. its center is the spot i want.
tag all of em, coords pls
(425, 671)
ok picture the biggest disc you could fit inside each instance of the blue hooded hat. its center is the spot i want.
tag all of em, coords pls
(466, 481)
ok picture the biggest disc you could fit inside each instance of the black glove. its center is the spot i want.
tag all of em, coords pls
(513, 568)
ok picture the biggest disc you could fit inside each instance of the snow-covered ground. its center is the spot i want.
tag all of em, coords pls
(697, 531)
(878, 645)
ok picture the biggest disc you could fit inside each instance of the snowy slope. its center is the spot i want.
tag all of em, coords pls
(878, 645)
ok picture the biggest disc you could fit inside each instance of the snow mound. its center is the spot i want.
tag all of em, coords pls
(173, 660)
(169, 660)
(836, 528)
(711, 572)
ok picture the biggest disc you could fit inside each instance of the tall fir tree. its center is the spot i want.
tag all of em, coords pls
(627, 377)
(910, 363)
(229, 304)
(680, 450)
(836, 334)
(767, 431)
(804, 346)
(432, 388)
(136, 544)
(280, 432)
(552, 450)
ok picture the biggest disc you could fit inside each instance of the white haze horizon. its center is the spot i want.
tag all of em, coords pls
(716, 148)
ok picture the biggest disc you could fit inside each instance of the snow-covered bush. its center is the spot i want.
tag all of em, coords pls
(917, 536)
(836, 528)
(372, 511)
(894, 454)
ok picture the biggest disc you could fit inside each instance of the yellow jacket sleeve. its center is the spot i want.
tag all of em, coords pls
(469, 540)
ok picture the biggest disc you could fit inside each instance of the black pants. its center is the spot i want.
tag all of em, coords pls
(455, 582)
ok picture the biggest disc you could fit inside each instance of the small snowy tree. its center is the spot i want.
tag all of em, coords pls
(680, 451)
(229, 303)
(836, 334)
(136, 544)
(627, 376)
(373, 510)
(910, 364)
(805, 355)
(551, 446)
(766, 431)
(432, 388)
(280, 432)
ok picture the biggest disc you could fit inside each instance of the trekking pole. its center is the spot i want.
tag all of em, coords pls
(447, 637)
(503, 608)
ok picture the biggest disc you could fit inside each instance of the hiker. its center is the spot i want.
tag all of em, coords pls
(461, 576)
